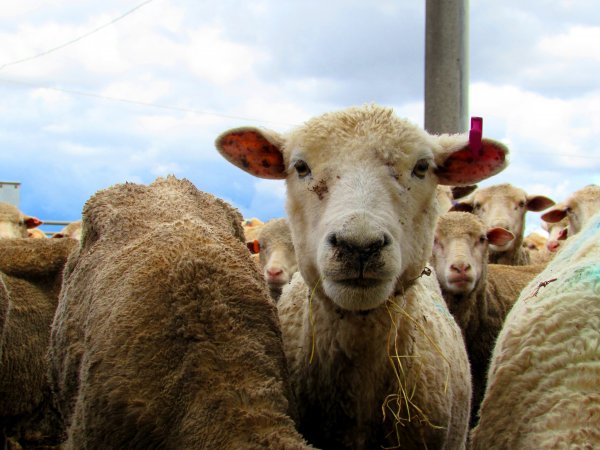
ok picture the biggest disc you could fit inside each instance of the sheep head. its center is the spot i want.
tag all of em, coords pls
(361, 195)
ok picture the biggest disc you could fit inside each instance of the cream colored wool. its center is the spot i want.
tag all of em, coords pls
(13, 223)
(365, 335)
(578, 208)
(165, 336)
(30, 280)
(544, 381)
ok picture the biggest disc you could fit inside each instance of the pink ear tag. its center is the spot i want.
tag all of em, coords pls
(475, 134)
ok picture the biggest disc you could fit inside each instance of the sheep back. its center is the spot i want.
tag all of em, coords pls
(542, 387)
(30, 280)
(165, 336)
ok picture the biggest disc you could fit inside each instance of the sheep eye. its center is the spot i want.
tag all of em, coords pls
(521, 204)
(420, 169)
(482, 239)
(302, 168)
(477, 206)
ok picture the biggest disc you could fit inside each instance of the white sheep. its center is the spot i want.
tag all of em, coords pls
(557, 232)
(543, 387)
(478, 294)
(579, 207)
(165, 336)
(13, 223)
(72, 230)
(504, 206)
(277, 257)
(375, 357)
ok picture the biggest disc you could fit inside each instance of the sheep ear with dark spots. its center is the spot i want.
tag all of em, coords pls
(465, 166)
(538, 203)
(254, 151)
(556, 214)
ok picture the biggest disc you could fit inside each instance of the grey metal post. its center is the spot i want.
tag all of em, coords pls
(446, 66)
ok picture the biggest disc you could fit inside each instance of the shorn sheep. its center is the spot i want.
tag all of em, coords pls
(30, 280)
(375, 357)
(578, 208)
(277, 257)
(543, 387)
(165, 337)
(505, 206)
(478, 294)
(13, 223)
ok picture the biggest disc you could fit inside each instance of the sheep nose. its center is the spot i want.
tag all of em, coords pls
(552, 245)
(360, 246)
(460, 267)
(274, 272)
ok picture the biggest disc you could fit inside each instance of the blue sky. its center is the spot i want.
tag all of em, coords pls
(146, 95)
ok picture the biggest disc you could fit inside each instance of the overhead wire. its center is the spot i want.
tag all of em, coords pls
(77, 39)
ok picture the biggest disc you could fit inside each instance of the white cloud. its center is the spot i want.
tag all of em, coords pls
(578, 43)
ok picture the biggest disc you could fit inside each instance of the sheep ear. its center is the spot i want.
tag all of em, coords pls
(254, 151)
(499, 236)
(538, 203)
(32, 222)
(462, 191)
(465, 166)
(253, 246)
(556, 214)
(462, 206)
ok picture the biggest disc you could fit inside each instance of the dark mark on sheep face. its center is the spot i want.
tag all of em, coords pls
(320, 189)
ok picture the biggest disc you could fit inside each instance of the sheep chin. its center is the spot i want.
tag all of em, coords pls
(358, 298)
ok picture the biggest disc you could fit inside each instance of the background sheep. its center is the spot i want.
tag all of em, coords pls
(543, 386)
(36, 233)
(165, 336)
(478, 295)
(557, 232)
(72, 230)
(13, 223)
(30, 279)
(277, 257)
(578, 208)
(363, 333)
(504, 206)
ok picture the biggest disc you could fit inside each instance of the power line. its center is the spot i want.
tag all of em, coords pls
(140, 103)
(77, 39)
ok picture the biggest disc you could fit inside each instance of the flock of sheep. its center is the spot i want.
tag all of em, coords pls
(386, 311)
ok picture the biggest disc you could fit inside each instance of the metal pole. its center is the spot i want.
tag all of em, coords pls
(446, 66)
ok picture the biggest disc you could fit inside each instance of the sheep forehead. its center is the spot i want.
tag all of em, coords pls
(500, 193)
(355, 133)
(459, 224)
(276, 230)
(587, 194)
(9, 213)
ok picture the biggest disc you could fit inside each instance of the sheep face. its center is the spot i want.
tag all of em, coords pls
(578, 208)
(460, 250)
(557, 232)
(14, 224)
(360, 196)
(504, 206)
(277, 256)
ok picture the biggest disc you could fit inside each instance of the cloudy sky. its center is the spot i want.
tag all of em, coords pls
(102, 92)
